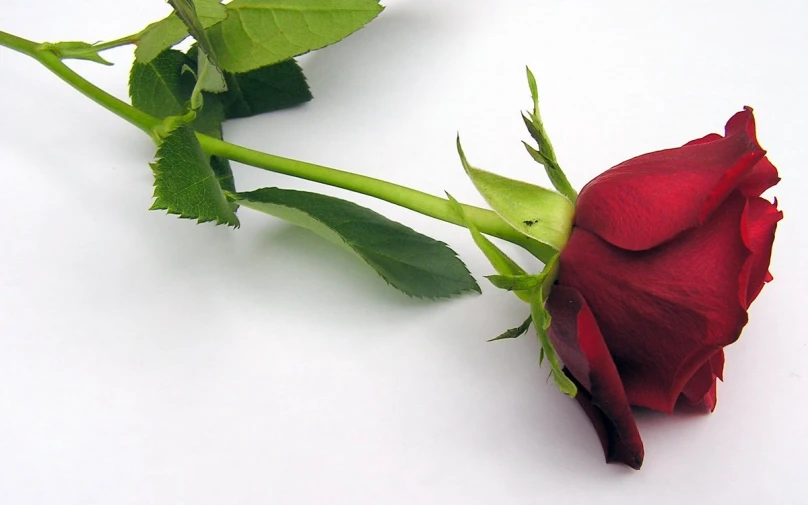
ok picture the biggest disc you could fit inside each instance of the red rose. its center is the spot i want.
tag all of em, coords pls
(668, 251)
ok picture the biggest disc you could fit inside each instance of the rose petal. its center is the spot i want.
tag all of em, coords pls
(579, 343)
(649, 200)
(700, 391)
(710, 137)
(717, 365)
(762, 177)
(758, 225)
(663, 313)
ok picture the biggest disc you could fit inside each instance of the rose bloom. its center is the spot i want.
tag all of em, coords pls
(667, 252)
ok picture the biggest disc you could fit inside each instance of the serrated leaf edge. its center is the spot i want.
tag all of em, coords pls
(475, 287)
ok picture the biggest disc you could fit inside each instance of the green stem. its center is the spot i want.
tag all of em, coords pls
(123, 41)
(19, 44)
(485, 220)
(53, 63)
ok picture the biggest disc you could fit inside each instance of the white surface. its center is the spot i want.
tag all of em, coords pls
(146, 360)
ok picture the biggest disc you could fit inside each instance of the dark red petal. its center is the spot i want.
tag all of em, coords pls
(710, 137)
(762, 177)
(579, 343)
(758, 225)
(717, 365)
(649, 200)
(700, 391)
(663, 313)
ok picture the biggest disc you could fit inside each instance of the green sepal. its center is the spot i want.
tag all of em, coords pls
(541, 321)
(545, 154)
(501, 262)
(534, 123)
(413, 263)
(514, 332)
(537, 212)
(516, 282)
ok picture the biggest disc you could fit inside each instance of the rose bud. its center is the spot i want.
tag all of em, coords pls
(667, 252)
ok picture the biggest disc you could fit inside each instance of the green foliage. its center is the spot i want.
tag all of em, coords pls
(265, 89)
(221, 167)
(257, 33)
(537, 212)
(545, 154)
(501, 262)
(209, 77)
(76, 51)
(411, 262)
(516, 282)
(161, 88)
(515, 332)
(186, 11)
(247, 34)
(185, 183)
(541, 321)
(167, 32)
(533, 289)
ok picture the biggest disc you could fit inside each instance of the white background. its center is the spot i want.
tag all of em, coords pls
(147, 360)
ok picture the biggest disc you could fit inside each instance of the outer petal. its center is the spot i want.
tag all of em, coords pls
(762, 177)
(649, 200)
(700, 391)
(664, 312)
(578, 341)
(758, 226)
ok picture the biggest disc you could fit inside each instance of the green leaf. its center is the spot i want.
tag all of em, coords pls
(221, 167)
(186, 11)
(257, 33)
(537, 212)
(515, 332)
(265, 89)
(541, 321)
(515, 282)
(409, 261)
(159, 36)
(184, 182)
(161, 89)
(209, 76)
